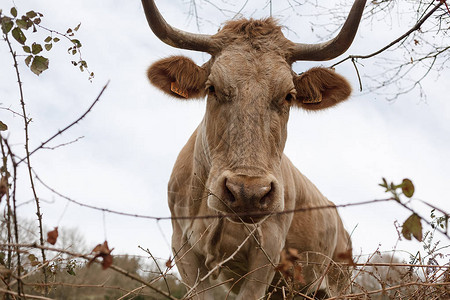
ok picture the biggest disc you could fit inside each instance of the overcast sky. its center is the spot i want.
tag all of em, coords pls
(132, 136)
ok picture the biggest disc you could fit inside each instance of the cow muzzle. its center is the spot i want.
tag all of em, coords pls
(246, 198)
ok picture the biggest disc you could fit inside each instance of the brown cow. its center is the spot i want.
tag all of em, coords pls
(233, 166)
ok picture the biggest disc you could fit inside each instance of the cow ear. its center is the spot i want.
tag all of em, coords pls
(320, 88)
(179, 77)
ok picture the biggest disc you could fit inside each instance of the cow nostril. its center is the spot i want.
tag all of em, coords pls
(228, 187)
(264, 201)
(265, 195)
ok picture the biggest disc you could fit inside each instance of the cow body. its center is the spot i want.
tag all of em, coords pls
(203, 243)
(232, 187)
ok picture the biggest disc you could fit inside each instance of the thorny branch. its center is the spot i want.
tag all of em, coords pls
(219, 265)
(27, 150)
(89, 258)
(396, 287)
(25, 295)
(253, 214)
(70, 125)
(13, 213)
(399, 39)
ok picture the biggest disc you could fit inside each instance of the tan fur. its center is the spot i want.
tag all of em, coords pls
(178, 69)
(262, 35)
(234, 163)
(322, 84)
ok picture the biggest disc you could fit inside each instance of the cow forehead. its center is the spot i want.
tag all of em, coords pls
(240, 67)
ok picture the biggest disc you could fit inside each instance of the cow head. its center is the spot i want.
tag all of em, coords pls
(250, 89)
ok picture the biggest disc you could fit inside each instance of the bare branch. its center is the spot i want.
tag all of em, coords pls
(399, 39)
(71, 124)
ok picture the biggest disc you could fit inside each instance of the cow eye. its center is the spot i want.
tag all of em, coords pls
(211, 89)
(288, 97)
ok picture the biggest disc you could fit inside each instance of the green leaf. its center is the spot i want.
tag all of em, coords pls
(37, 21)
(36, 48)
(22, 24)
(384, 184)
(48, 39)
(3, 126)
(39, 64)
(31, 14)
(407, 188)
(71, 272)
(28, 60)
(412, 226)
(76, 42)
(14, 12)
(56, 39)
(26, 49)
(77, 27)
(7, 24)
(48, 46)
(17, 34)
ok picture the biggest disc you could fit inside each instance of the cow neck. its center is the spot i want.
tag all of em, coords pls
(201, 167)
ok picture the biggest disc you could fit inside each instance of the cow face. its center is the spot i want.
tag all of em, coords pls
(250, 89)
(244, 128)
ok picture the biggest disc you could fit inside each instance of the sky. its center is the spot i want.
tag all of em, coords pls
(131, 138)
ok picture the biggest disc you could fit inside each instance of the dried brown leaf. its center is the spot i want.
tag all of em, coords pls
(169, 263)
(347, 257)
(3, 187)
(102, 251)
(289, 266)
(52, 236)
(107, 261)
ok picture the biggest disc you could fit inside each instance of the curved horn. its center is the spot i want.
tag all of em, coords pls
(173, 36)
(338, 45)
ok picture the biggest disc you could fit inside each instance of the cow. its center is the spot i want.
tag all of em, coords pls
(237, 202)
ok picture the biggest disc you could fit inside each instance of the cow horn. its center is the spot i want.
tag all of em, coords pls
(173, 36)
(338, 45)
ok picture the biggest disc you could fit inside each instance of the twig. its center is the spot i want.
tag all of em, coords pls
(140, 288)
(27, 150)
(13, 112)
(89, 257)
(322, 277)
(219, 265)
(215, 285)
(25, 295)
(14, 218)
(163, 275)
(243, 277)
(406, 34)
(395, 265)
(9, 213)
(64, 144)
(74, 285)
(357, 73)
(423, 284)
(71, 124)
